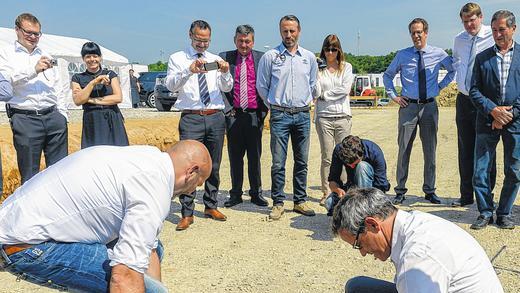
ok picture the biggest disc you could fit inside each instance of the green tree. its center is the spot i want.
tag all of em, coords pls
(159, 66)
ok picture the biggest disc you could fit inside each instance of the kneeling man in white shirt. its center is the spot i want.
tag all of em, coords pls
(430, 254)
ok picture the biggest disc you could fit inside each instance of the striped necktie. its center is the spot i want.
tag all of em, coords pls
(244, 100)
(203, 86)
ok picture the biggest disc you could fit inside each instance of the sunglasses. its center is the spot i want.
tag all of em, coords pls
(361, 229)
(331, 49)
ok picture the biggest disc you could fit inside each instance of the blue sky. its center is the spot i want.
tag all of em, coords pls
(140, 30)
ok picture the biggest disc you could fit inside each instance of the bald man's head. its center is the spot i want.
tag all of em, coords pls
(192, 165)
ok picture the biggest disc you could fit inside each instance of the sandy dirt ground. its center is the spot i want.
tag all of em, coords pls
(249, 253)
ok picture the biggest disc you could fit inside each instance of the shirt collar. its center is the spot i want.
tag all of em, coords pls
(481, 33)
(426, 49)
(19, 47)
(193, 53)
(497, 50)
(281, 48)
(397, 238)
(247, 57)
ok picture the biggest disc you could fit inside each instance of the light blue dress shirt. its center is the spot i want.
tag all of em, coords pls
(287, 80)
(405, 62)
(6, 90)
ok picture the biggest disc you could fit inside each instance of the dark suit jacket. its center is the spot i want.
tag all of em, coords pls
(231, 58)
(485, 89)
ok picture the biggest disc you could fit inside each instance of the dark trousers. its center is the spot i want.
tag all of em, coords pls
(465, 118)
(244, 134)
(209, 130)
(33, 134)
(364, 284)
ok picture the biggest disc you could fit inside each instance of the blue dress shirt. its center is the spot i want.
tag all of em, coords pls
(6, 90)
(405, 62)
(373, 155)
(287, 80)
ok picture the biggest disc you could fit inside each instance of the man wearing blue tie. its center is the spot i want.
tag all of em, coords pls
(200, 83)
(419, 70)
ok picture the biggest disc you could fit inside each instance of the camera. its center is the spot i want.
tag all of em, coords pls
(321, 64)
(54, 62)
(211, 66)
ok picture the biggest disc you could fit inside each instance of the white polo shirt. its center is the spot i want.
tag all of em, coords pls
(95, 195)
(431, 254)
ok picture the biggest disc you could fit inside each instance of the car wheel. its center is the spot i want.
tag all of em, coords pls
(162, 107)
(151, 100)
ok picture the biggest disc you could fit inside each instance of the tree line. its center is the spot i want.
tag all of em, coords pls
(360, 64)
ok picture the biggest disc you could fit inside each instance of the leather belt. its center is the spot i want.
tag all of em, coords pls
(420, 102)
(291, 110)
(12, 249)
(32, 112)
(201, 112)
(245, 110)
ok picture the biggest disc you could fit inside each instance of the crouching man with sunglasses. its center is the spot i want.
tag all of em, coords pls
(420, 246)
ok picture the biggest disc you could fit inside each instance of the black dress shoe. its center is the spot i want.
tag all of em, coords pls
(433, 198)
(259, 200)
(505, 222)
(481, 222)
(460, 203)
(399, 198)
(233, 201)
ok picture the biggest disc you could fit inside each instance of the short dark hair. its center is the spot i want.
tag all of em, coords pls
(351, 149)
(358, 204)
(418, 20)
(90, 48)
(290, 17)
(470, 9)
(201, 24)
(27, 17)
(504, 14)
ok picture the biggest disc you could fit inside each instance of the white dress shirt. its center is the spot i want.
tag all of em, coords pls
(332, 91)
(462, 50)
(31, 90)
(95, 195)
(431, 254)
(180, 78)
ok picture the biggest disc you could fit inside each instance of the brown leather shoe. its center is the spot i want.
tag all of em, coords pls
(214, 214)
(184, 223)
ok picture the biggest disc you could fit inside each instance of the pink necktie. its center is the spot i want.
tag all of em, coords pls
(243, 85)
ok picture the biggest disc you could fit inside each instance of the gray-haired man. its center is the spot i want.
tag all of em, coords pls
(419, 244)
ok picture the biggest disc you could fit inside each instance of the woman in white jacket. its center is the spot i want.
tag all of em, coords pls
(333, 115)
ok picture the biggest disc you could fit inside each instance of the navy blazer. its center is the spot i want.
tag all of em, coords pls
(231, 58)
(485, 89)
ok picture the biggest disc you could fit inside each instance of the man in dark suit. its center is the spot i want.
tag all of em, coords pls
(245, 113)
(495, 91)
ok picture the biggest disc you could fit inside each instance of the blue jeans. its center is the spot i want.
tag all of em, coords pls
(363, 177)
(364, 284)
(297, 126)
(485, 153)
(74, 267)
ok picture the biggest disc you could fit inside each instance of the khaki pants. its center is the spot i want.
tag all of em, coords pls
(331, 131)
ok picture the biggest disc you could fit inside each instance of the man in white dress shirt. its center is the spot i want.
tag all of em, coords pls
(430, 254)
(475, 38)
(37, 109)
(91, 222)
(201, 102)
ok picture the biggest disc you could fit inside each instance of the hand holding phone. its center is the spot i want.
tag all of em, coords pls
(211, 66)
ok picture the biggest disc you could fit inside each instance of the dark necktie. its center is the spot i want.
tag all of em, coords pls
(422, 77)
(203, 86)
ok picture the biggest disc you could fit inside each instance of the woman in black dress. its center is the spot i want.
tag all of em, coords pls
(98, 91)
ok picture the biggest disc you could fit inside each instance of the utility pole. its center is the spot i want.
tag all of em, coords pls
(358, 41)
(161, 53)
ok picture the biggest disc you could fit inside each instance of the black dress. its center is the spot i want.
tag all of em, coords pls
(102, 125)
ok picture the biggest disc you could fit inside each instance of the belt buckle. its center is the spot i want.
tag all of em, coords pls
(422, 102)
(38, 112)
(292, 110)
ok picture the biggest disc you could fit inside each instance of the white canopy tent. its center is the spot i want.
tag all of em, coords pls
(68, 52)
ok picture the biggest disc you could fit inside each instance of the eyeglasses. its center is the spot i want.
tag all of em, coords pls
(200, 41)
(360, 230)
(331, 49)
(30, 34)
